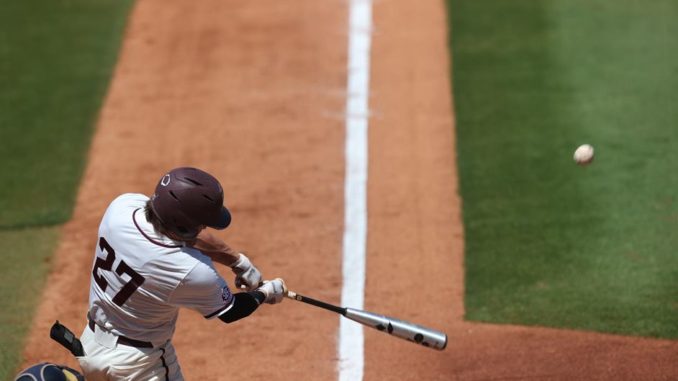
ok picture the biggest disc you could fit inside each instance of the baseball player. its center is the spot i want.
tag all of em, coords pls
(148, 263)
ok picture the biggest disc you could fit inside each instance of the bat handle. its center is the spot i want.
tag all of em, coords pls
(292, 295)
(314, 302)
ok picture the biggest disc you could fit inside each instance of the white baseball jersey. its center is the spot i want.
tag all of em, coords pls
(140, 278)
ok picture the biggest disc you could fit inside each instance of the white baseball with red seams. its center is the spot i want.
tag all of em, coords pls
(583, 155)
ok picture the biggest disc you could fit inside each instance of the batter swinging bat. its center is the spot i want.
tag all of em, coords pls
(405, 330)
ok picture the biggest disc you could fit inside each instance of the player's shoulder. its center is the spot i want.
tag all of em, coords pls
(202, 266)
(127, 201)
(134, 199)
(120, 210)
(196, 257)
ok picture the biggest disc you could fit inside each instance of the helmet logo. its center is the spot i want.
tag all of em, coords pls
(165, 180)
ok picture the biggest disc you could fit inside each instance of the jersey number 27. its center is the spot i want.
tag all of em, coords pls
(128, 289)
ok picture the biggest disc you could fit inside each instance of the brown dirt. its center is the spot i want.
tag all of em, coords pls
(254, 93)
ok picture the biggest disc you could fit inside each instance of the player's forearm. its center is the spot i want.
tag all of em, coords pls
(215, 248)
(247, 275)
(224, 259)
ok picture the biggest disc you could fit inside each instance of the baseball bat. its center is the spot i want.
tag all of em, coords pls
(427, 337)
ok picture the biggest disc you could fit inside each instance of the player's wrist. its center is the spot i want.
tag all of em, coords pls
(247, 276)
(241, 263)
(259, 296)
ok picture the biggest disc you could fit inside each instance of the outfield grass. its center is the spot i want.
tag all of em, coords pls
(56, 58)
(25, 263)
(548, 242)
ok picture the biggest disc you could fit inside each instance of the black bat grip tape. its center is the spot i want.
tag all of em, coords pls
(318, 303)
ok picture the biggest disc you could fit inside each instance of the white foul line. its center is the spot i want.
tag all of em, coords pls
(351, 349)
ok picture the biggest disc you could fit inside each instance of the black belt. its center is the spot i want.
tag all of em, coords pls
(125, 340)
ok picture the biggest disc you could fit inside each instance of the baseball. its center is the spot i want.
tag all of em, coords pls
(583, 155)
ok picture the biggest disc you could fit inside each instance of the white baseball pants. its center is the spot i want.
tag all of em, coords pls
(106, 360)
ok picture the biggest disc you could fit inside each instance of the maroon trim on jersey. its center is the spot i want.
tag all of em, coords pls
(164, 364)
(134, 219)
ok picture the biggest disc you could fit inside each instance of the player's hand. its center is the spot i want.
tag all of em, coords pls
(246, 274)
(275, 290)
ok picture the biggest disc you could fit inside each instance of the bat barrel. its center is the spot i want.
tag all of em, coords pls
(405, 330)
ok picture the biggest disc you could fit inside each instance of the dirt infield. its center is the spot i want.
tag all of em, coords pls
(254, 92)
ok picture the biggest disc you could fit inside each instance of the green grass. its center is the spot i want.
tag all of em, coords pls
(25, 262)
(548, 242)
(55, 61)
(56, 58)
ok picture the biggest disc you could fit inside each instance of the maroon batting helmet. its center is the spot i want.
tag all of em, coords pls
(186, 199)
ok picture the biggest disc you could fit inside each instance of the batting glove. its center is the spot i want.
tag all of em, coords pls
(246, 274)
(275, 290)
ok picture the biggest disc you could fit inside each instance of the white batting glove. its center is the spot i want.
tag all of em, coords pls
(275, 290)
(246, 274)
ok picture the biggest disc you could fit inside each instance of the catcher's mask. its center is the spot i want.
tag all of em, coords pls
(187, 199)
(49, 372)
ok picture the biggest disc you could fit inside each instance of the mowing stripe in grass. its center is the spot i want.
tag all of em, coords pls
(56, 58)
(23, 268)
(547, 242)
